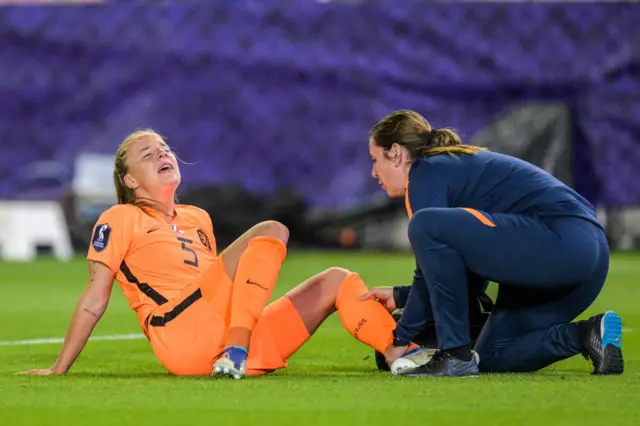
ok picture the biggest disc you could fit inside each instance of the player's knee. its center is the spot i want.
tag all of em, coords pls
(271, 228)
(335, 275)
(330, 283)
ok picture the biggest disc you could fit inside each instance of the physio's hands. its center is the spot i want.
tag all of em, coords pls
(383, 295)
(394, 352)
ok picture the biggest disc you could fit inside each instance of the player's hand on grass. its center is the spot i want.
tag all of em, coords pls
(41, 372)
(383, 295)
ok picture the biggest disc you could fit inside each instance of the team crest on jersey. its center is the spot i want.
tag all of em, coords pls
(204, 239)
(100, 238)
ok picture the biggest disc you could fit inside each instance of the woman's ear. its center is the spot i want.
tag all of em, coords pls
(396, 154)
(130, 182)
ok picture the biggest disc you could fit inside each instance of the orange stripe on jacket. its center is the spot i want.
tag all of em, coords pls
(482, 218)
(407, 204)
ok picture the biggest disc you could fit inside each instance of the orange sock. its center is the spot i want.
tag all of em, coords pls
(368, 321)
(256, 276)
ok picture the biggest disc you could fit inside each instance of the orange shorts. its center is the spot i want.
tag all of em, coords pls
(187, 333)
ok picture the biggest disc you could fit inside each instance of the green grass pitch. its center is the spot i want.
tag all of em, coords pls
(332, 380)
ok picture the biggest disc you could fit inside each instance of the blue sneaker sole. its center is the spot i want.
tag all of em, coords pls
(611, 335)
(611, 330)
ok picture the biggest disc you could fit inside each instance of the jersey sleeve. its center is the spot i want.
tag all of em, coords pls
(110, 239)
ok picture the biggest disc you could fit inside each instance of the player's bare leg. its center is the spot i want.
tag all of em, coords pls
(252, 262)
(315, 298)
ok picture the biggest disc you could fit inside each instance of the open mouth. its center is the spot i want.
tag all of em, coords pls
(165, 168)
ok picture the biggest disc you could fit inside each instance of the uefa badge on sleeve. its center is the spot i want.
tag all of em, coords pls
(101, 237)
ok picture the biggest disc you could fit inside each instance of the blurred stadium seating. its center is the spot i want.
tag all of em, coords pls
(269, 106)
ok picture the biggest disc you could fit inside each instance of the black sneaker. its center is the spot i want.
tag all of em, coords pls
(602, 343)
(443, 364)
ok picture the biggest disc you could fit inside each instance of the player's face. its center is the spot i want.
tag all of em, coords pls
(387, 171)
(152, 165)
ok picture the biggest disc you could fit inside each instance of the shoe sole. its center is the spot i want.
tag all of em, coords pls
(611, 335)
(225, 371)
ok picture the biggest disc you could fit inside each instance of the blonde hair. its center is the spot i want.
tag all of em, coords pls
(412, 131)
(125, 194)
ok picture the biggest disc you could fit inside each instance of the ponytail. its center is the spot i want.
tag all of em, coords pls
(446, 141)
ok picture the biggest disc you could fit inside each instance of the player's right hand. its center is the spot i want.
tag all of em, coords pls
(42, 372)
(383, 295)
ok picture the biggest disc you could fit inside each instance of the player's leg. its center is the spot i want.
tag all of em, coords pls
(233, 252)
(293, 318)
(503, 248)
(253, 263)
(287, 323)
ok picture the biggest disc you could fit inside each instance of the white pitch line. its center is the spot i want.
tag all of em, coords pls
(59, 340)
(132, 336)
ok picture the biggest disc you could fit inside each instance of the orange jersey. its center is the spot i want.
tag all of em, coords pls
(153, 260)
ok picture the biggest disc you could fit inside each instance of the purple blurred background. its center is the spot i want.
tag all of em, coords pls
(272, 96)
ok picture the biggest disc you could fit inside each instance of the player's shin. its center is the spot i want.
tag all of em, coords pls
(368, 321)
(255, 279)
